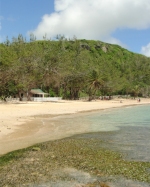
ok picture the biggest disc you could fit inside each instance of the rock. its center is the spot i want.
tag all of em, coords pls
(36, 149)
(104, 48)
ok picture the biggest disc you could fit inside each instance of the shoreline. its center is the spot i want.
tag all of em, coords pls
(24, 124)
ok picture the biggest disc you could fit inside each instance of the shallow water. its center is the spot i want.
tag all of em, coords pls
(114, 119)
(129, 129)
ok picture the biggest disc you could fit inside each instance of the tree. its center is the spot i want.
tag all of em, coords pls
(136, 91)
(95, 83)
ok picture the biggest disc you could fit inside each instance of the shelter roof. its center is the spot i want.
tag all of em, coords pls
(38, 91)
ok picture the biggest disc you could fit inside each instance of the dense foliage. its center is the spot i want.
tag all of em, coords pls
(71, 68)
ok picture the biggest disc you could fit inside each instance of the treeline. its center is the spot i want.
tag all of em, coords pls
(71, 68)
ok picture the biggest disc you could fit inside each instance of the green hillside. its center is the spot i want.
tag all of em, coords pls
(72, 68)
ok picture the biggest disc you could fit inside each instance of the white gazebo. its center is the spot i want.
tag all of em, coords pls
(37, 93)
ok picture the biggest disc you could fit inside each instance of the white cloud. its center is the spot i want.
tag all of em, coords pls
(146, 50)
(93, 19)
(112, 40)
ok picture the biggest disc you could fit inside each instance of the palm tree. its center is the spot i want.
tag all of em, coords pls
(136, 91)
(95, 83)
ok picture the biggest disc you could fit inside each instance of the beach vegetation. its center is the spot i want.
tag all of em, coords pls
(71, 66)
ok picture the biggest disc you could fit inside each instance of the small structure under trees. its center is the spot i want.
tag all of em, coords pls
(38, 93)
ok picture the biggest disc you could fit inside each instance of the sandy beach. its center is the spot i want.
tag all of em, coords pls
(24, 123)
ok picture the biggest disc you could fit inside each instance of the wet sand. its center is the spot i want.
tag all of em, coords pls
(24, 124)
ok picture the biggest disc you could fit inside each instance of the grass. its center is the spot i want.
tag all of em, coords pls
(12, 156)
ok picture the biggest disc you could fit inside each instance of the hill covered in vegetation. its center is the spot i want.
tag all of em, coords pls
(72, 68)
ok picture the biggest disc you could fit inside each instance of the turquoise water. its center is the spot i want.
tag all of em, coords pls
(117, 118)
(125, 129)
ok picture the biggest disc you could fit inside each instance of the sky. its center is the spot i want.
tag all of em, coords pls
(122, 22)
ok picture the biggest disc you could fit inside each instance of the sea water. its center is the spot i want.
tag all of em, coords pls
(129, 127)
(116, 118)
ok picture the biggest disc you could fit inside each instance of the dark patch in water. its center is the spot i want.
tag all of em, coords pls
(132, 142)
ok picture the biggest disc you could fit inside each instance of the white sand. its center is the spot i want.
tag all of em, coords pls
(19, 126)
